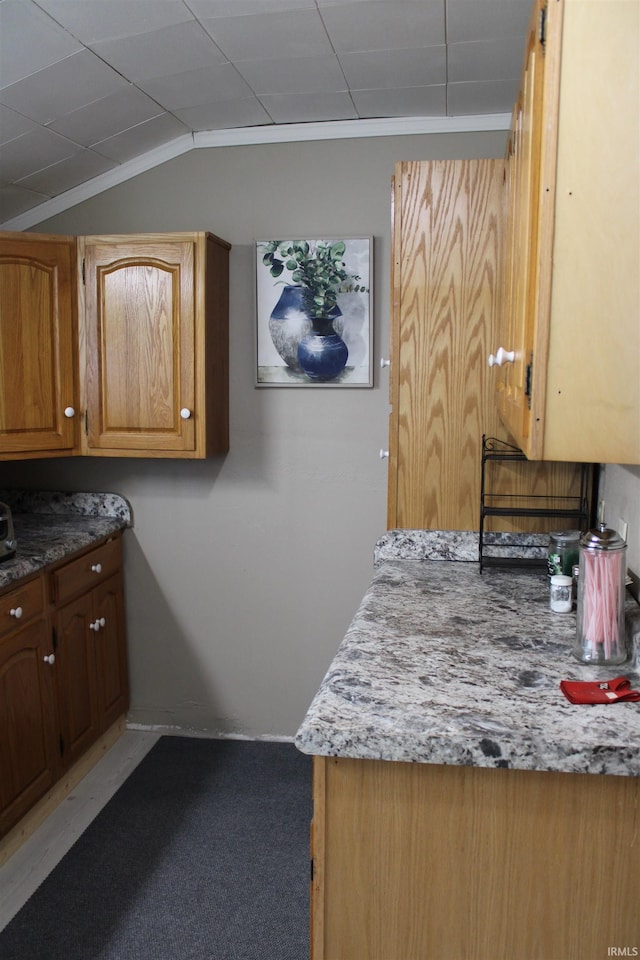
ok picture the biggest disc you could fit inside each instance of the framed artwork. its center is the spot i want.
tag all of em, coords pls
(313, 312)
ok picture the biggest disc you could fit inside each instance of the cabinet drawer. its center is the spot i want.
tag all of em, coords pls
(87, 571)
(20, 605)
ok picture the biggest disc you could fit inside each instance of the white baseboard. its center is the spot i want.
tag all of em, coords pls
(170, 730)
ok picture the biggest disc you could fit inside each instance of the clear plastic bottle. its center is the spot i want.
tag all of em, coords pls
(600, 628)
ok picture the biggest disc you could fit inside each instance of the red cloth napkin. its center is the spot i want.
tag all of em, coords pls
(598, 691)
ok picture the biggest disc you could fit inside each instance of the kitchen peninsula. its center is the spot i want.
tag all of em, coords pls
(462, 806)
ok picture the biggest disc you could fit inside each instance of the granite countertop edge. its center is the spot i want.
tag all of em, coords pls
(445, 665)
(52, 525)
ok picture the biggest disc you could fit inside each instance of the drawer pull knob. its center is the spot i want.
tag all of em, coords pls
(384, 454)
(384, 363)
(102, 622)
(50, 659)
(69, 412)
(95, 625)
(96, 567)
(16, 612)
(185, 413)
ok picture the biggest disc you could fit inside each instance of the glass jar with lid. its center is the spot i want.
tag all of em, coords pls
(600, 627)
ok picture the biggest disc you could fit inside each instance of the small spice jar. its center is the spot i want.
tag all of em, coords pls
(560, 593)
(563, 551)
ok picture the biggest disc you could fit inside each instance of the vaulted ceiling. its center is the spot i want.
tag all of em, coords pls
(89, 88)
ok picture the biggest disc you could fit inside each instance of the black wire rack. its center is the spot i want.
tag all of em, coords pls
(577, 508)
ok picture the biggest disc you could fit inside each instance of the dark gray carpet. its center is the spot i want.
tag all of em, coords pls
(202, 854)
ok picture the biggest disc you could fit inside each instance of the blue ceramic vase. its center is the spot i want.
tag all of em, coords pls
(322, 354)
(290, 324)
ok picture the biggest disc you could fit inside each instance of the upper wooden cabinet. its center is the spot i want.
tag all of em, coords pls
(121, 350)
(520, 216)
(571, 314)
(38, 380)
(446, 246)
(154, 330)
(447, 251)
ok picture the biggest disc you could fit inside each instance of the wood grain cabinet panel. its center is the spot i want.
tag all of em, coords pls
(84, 573)
(91, 658)
(521, 194)
(76, 678)
(448, 241)
(112, 685)
(28, 721)
(572, 195)
(20, 605)
(63, 672)
(38, 378)
(114, 346)
(420, 860)
(155, 335)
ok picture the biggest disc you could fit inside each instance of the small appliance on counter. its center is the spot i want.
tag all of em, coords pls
(8, 542)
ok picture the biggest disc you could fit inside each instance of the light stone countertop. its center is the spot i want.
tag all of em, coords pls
(443, 664)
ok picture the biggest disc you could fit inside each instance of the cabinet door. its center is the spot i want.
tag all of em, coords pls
(522, 189)
(76, 678)
(28, 728)
(140, 345)
(37, 346)
(445, 320)
(586, 387)
(110, 651)
(447, 243)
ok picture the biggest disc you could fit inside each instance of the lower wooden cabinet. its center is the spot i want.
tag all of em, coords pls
(28, 729)
(76, 679)
(418, 860)
(91, 666)
(110, 652)
(63, 672)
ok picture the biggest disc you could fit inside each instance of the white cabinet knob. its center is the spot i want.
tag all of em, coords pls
(501, 356)
(96, 568)
(185, 413)
(95, 625)
(69, 412)
(384, 363)
(50, 659)
(16, 612)
(384, 454)
(101, 622)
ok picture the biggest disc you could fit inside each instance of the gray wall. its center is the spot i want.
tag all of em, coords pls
(243, 573)
(620, 490)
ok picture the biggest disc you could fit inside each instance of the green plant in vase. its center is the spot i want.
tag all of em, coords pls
(318, 268)
(315, 274)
